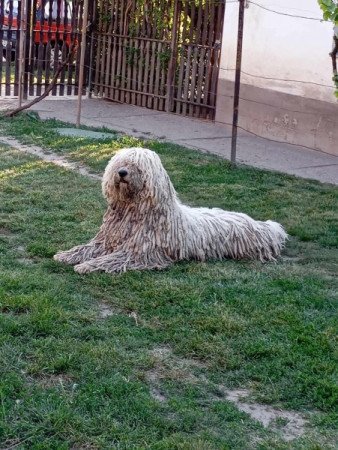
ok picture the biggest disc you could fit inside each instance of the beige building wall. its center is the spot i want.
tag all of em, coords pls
(287, 90)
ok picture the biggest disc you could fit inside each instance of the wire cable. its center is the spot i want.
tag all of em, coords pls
(296, 16)
(277, 79)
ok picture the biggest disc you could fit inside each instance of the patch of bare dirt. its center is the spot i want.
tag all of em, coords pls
(51, 380)
(166, 372)
(49, 157)
(167, 366)
(164, 353)
(24, 258)
(26, 261)
(157, 394)
(161, 352)
(289, 424)
(105, 310)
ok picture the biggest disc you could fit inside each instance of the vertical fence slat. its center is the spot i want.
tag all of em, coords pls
(117, 74)
(111, 91)
(140, 73)
(150, 99)
(9, 49)
(57, 48)
(123, 70)
(19, 37)
(79, 21)
(63, 73)
(146, 73)
(2, 3)
(217, 56)
(182, 52)
(73, 39)
(64, 47)
(173, 57)
(129, 62)
(157, 75)
(109, 50)
(30, 36)
(103, 49)
(185, 108)
(98, 37)
(200, 57)
(213, 69)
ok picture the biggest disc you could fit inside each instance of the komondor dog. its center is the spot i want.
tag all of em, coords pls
(147, 227)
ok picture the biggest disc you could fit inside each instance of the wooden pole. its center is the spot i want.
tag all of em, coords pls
(22, 48)
(82, 60)
(91, 56)
(173, 57)
(237, 80)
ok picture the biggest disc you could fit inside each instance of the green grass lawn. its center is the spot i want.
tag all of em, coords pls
(139, 360)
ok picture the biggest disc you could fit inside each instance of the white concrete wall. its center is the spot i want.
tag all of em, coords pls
(281, 47)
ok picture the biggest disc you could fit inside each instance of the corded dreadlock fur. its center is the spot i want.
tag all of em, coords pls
(147, 227)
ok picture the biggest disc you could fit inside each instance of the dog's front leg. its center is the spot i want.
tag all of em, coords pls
(113, 263)
(121, 261)
(81, 253)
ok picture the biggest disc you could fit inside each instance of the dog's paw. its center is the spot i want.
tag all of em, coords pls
(61, 257)
(83, 268)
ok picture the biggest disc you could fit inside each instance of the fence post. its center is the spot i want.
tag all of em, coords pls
(82, 60)
(173, 56)
(237, 80)
(23, 25)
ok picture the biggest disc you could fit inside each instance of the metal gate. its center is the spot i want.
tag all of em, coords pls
(35, 37)
(161, 54)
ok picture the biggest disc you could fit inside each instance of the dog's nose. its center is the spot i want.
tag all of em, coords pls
(123, 173)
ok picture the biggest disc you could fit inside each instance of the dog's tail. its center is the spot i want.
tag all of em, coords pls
(276, 236)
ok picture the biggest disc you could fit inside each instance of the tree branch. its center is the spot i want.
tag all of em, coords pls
(334, 53)
(51, 85)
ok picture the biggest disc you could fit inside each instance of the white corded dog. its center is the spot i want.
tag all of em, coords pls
(147, 227)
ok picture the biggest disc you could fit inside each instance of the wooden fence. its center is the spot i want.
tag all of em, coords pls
(162, 54)
(47, 31)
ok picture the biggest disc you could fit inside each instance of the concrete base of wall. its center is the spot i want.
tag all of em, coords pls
(283, 117)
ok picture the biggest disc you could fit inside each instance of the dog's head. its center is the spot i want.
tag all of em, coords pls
(134, 174)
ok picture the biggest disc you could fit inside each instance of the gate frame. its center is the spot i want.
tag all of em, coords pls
(31, 47)
(110, 39)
